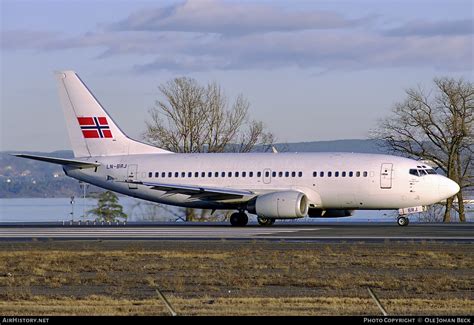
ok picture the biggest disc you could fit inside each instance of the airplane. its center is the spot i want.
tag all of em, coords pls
(269, 185)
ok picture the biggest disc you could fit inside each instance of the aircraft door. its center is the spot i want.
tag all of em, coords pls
(132, 176)
(267, 176)
(386, 176)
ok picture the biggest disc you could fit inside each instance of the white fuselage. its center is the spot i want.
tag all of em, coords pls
(271, 185)
(329, 180)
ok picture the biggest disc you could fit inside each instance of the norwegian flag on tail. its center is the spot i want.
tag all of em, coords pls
(95, 127)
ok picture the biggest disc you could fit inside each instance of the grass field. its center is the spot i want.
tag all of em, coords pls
(235, 278)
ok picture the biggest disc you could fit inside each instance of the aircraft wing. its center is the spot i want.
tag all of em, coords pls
(198, 192)
(60, 161)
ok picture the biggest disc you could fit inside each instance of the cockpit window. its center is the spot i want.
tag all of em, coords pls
(414, 172)
(422, 172)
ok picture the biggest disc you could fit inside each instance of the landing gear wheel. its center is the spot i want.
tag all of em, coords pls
(403, 221)
(262, 221)
(239, 219)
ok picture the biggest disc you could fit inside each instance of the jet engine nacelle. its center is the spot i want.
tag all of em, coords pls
(330, 213)
(281, 205)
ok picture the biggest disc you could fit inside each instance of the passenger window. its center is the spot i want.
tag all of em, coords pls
(222, 174)
(267, 174)
(300, 174)
(229, 174)
(293, 174)
(336, 174)
(150, 174)
(157, 174)
(287, 174)
(351, 174)
(176, 174)
(259, 174)
(236, 174)
(163, 174)
(244, 174)
(190, 174)
(343, 174)
(203, 174)
(183, 174)
(274, 174)
(329, 174)
(365, 174)
(250, 174)
(280, 174)
(209, 174)
(216, 174)
(196, 174)
(315, 174)
(321, 174)
(170, 174)
(357, 174)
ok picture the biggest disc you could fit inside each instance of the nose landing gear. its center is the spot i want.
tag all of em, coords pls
(403, 221)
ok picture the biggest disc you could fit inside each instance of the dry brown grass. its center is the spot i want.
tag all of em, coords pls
(99, 305)
(105, 278)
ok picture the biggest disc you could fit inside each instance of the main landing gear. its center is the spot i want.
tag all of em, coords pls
(262, 221)
(239, 219)
(403, 221)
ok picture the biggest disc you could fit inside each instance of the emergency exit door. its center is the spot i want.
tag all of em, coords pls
(132, 176)
(267, 176)
(386, 176)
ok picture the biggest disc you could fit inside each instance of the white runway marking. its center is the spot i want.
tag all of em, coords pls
(307, 233)
(166, 232)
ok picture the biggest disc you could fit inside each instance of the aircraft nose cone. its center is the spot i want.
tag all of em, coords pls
(448, 187)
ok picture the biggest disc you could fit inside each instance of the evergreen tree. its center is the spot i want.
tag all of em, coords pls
(108, 209)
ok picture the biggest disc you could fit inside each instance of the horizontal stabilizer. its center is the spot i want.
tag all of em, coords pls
(60, 161)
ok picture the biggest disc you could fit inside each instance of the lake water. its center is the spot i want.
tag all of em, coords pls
(61, 209)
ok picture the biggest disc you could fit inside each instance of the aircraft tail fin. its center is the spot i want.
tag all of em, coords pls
(92, 131)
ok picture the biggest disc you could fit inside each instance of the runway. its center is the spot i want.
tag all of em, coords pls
(288, 232)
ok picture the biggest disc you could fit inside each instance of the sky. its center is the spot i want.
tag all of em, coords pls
(311, 70)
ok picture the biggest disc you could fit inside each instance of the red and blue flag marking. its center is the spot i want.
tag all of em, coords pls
(95, 127)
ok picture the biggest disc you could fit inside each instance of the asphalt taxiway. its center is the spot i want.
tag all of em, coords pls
(336, 232)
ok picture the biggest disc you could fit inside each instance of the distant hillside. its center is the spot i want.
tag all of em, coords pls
(362, 146)
(21, 177)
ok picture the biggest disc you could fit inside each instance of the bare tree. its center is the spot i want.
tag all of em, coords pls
(151, 211)
(192, 118)
(434, 213)
(436, 126)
